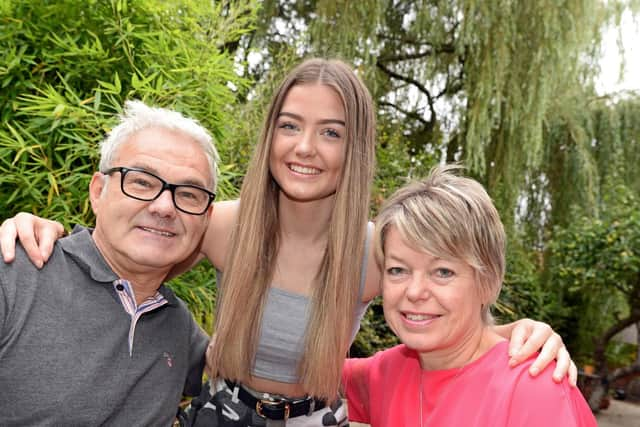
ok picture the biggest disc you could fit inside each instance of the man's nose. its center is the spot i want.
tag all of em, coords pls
(163, 205)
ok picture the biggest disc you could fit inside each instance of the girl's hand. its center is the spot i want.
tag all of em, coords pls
(37, 236)
(527, 337)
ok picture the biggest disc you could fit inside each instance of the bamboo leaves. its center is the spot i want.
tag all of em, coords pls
(66, 71)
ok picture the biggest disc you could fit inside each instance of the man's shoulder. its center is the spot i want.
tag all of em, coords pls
(22, 277)
(180, 304)
(22, 264)
(180, 307)
(22, 283)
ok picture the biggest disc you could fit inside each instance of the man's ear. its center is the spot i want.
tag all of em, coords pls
(209, 211)
(96, 187)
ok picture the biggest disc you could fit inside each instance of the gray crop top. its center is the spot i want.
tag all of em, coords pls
(282, 332)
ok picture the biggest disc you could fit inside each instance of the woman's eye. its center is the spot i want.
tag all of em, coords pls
(444, 273)
(395, 271)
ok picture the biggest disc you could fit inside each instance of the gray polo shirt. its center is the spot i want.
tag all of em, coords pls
(64, 349)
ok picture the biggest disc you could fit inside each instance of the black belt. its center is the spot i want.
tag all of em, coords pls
(278, 409)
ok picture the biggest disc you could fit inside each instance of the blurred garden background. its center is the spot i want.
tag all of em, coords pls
(506, 87)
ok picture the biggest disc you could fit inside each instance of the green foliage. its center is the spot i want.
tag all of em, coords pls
(621, 354)
(583, 191)
(396, 165)
(374, 334)
(66, 71)
(47, 156)
(523, 292)
(595, 265)
(592, 146)
(197, 287)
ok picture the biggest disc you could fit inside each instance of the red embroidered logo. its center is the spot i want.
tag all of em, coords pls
(168, 358)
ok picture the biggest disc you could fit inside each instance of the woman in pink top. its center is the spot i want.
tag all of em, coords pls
(441, 246)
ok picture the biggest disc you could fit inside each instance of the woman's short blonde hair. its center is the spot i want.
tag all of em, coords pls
(452, 217)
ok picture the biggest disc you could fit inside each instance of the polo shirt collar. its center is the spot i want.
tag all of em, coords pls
(80, 246)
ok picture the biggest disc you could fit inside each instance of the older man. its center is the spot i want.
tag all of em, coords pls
(94, 337)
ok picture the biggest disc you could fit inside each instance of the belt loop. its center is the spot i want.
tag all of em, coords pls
(312, 407)
(234, 396)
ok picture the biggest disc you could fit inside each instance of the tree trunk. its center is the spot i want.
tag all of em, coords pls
(601, 387)
(599, 391)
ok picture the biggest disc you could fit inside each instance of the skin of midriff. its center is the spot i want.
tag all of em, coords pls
(275, 387)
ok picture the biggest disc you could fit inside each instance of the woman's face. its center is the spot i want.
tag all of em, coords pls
(308, 146)
(431, 304)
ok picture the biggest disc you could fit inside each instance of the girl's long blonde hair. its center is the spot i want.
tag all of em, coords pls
(255, 241)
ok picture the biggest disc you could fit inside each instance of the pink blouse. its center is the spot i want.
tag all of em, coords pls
(384, 390)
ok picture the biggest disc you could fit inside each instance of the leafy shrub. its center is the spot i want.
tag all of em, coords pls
(66, 71)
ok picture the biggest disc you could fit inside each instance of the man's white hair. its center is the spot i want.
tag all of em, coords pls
(138, 116)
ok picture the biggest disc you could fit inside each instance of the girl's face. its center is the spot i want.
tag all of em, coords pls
(308, 146)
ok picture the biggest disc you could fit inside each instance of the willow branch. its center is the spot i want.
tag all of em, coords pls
(425, 53)
(411, 81)
(409, 114)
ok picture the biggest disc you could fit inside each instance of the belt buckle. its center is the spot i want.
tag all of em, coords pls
(260, 403)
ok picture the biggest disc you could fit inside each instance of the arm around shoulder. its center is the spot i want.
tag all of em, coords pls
(217, 239)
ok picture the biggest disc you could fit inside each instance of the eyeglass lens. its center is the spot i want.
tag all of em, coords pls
(144, 186)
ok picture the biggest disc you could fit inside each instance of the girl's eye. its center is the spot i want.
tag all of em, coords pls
(287, 126)
(332, 133)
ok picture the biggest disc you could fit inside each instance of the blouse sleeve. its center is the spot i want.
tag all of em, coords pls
(540, 402)
(355, 381)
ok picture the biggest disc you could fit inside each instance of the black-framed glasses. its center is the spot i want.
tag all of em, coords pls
(142, 185)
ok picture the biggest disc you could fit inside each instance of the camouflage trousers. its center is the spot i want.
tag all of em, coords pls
(219, 406)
